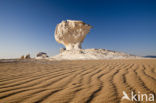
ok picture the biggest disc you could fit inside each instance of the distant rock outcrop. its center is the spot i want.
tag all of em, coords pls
(41, 55)
(27, 56)
(150, 56)
(22, 57)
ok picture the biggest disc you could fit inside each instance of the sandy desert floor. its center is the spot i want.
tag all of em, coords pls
(94, 81)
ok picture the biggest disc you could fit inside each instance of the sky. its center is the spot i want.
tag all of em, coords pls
(27, 26)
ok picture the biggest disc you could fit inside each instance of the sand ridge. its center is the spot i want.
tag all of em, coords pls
(79, 81)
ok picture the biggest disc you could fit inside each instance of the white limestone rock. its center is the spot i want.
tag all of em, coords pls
(92, 54)
(71, 33)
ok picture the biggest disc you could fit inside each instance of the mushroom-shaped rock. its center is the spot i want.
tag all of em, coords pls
(71, 33)
(41, 55)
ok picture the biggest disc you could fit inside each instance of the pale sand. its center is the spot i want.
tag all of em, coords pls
(96, 81)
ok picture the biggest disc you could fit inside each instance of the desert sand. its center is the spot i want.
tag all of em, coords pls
(79, 81)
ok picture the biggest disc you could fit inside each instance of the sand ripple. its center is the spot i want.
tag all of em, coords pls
(95, 81)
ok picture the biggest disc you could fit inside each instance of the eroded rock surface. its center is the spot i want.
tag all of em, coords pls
(71, 33)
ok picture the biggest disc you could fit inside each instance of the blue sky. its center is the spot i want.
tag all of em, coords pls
(27, 26)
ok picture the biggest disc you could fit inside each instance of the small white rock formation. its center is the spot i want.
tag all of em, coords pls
(41, 55)
(71, 33)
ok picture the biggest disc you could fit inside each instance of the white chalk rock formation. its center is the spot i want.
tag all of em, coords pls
(71, 33)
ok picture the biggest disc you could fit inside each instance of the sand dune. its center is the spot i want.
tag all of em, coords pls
(81, 81)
